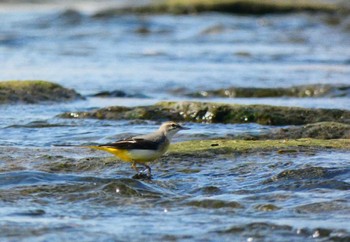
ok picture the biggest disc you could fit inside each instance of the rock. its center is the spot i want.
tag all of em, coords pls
(119, 93)
(311, 177)
(267, 207)
(129, 113)
(204, 147)
(214, 204)
(79, 159)
(322, 130)
(224, 6)
(218, 113)
(35, 92)
(324, 207)
(316, 90)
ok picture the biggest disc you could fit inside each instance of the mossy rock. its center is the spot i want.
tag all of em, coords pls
(224, 6)
(35, 92)
(230, 146)
(316, 90)
(118, 93)
(218, 113)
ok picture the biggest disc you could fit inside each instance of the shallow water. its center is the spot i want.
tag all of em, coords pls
(299, 196)
(166, 52)
(52, 191)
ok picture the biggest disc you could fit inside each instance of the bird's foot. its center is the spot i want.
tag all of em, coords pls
(142, 176)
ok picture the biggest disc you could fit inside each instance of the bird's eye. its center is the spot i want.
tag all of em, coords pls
(174, 125)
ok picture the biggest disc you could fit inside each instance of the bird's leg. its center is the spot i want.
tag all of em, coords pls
(139, 174)
(148, 168)
(133, 166)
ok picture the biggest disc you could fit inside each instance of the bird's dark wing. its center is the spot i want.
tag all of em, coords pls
(133, 143)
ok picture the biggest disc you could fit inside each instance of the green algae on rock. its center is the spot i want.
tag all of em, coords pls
(224, 6)
(35, 92)
(218, 113)
(229, 146)
(316, 90)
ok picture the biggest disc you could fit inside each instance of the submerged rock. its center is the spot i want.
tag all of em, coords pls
(119, 93)
(306, 173)
(224, 6)
(308, 178)
(316, 90)
(324, 207)
(35, 92)
(267, 207)
(218, 113)
(323, 130)
(284, 231)
(214, 204)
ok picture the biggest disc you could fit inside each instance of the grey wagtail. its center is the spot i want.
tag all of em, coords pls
(143, 148)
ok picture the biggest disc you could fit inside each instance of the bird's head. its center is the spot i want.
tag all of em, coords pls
(171, 128)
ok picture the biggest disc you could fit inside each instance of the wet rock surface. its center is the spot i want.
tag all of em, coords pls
(207, 147)
(218, 113)
(317, 90)
(119, 93)
(323, 130)
(35, 92)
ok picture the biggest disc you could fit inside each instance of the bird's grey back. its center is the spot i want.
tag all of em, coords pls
(157, 137)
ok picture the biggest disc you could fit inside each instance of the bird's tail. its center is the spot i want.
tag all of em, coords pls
(122, 154)
(95, 147)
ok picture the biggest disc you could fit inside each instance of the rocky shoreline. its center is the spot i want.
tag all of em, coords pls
(303, 122)
(35, 91)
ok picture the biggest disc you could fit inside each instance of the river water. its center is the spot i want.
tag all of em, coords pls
(50, 191)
